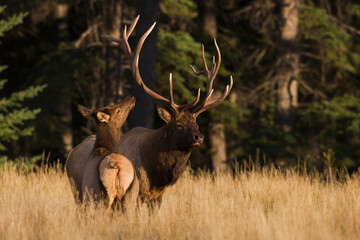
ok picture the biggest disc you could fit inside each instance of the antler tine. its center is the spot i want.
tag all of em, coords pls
(195, 72)
(182, 107)
(198, 108)
(112, 38)
(213, 103)
(210, 76)
(203, 57)
(132, 26)
(127, 33)
(171, 90)
(142, 40)
(205, 70)
(124, 42)
(134, 60)
(215, 69)
(190, 105)
(219, 55)
(137, 76)
(134, 63)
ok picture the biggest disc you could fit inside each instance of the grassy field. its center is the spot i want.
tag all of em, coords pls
(262, 204)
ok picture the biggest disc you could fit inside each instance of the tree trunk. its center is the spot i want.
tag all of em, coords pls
(143, 113)
(61, 13)
(209, 18)
(218, 146)
(287, 67)
(112, 13)
(67, 134)
(216, 130)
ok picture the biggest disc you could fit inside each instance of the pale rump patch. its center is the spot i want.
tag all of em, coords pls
(116, 174)
(94, 169)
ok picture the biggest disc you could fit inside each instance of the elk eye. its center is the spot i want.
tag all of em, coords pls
(119, 110)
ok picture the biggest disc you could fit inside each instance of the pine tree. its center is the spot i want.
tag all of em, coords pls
(13, 114)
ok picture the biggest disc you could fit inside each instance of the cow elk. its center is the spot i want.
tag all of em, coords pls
(160, 155)
(100, 173)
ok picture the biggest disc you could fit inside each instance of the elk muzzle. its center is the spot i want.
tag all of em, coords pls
(198, 139)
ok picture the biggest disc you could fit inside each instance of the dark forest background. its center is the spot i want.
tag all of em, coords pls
(295, 64)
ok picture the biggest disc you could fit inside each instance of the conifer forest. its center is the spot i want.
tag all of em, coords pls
(295, 66)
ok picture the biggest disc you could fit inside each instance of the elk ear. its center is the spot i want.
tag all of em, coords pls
(86, 112)
(163, 114)
(102, 117)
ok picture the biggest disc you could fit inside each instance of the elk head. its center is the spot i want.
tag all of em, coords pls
(112, 116)
(180, 120)
(182, 131)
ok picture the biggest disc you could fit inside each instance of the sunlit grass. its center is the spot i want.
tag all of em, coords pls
(258, 204)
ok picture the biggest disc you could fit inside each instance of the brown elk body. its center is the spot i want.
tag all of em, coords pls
(96, 171)
(160, 156)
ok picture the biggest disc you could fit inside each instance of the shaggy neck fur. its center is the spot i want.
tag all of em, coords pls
(107, 139)
(162, 159)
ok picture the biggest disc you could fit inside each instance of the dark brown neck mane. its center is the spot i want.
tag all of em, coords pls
(107, 139)
(163, 161)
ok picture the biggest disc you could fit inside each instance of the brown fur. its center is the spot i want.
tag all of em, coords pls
(101, 173)
(160, 155)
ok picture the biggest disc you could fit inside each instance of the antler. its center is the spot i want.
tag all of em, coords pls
(134, 63)
(210, 76)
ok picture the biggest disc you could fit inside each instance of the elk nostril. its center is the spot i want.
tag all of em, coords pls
(198, 138)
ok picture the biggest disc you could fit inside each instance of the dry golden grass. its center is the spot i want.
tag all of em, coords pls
(254, 205)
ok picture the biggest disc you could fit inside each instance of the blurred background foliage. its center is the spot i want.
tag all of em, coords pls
(59, 46)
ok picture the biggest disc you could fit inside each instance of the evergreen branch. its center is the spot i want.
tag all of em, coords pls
(6, 25)
(345, 26)
(18, 97)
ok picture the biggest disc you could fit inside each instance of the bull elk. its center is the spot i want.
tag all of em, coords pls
(160, 155)
(97, 171)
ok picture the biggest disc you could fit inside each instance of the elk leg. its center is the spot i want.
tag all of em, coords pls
(130, 200)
